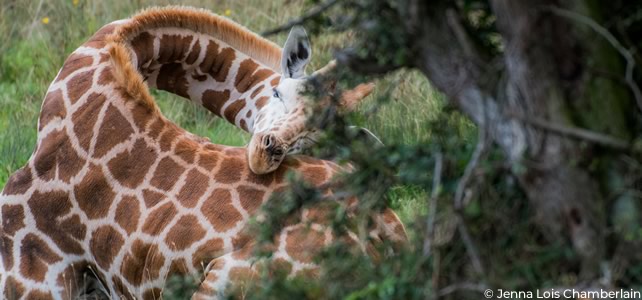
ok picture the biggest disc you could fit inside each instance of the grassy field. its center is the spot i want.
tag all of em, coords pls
(37, 36)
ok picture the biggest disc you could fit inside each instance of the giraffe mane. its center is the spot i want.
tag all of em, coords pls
(128, 78)
(195, 19)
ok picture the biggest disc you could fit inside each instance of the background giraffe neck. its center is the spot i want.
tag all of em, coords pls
(205, 70)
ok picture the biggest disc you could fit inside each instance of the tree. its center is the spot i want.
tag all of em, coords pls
(553, 85)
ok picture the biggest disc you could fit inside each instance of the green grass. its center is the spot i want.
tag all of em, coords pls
(31, 52)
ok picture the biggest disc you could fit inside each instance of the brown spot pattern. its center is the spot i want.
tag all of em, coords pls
(130, 167)
(251, 198)
(193, 189)
(230, 170)
(214, 100)
(142, 115)
(184, 233)
(275, 82)
(98, 39)
(219, 211)
(256, 91)
(242, 275)
(47, 209)
(13, 289)
(6, 251)
(173, 48)
(168, 137)
(114, 130)
(73, 63)
(233, 109)
(143, 46)
(261, 102)
(153, 294)
(156, 128)
(248, 76)
(315, 175)
(166, 174)
(302, 242)
(79, 85)
(39, 295)
(85, 118)
(53, 107)
(171, 78)
(94, 194)
(57, 153)
(186, 150)
(142, 263)
(263, 179)
(152, 198)
(12, 218)
(127, 213)
(106, 77)
(19, 182)
(36, 257)
(208, 251)
(105, 244)
(192, 56)
(216, 63)
(208, 160)
(178, 266)
(159, 218)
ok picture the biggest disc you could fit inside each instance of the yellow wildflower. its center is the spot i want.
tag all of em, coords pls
(75, 2)
(228, 12)
(45, 20)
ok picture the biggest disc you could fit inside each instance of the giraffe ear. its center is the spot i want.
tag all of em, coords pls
(351, 98)
(296, 53)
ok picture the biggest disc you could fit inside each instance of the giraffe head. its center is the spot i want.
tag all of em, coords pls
(282, 127)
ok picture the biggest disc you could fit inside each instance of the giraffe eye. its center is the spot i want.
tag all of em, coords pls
(276, 94)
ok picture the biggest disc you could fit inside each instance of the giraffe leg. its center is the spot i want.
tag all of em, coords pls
(236, 267)
(294, 247)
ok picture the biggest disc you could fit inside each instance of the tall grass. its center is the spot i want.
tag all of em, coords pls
(37, 36)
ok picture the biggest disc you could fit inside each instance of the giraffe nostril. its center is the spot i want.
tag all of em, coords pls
(268, 141)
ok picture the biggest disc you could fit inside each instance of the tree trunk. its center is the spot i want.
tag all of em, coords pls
(542, 74)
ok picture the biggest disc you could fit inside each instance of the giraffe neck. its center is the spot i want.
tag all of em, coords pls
(205, 69)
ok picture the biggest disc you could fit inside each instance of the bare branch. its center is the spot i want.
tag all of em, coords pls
(473, 253)
(458, 203)
(314, 12)
(480, 149)
(432, 210)
(573, 132)
(630, 60)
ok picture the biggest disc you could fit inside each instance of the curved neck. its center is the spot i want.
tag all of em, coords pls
(206, 70)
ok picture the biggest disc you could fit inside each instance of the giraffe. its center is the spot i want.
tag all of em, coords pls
(255, 86)
(116, 197)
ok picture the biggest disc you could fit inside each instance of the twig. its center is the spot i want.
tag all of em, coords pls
(432, 210)
(630, 60)
(574, 132)
(480, 149)
(436, 270)
(470, 245)
(314, 12)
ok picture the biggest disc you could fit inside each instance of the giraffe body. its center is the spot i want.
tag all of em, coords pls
(116, 191)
